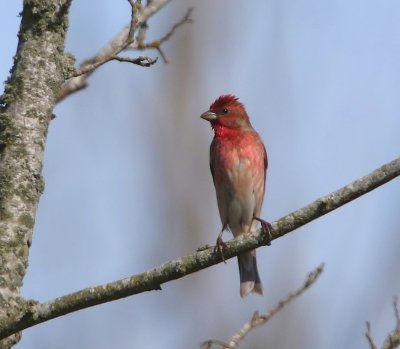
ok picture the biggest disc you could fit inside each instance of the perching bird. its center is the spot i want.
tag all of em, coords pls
(238, 163)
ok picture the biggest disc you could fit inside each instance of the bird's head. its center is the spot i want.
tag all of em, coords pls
(227, 116)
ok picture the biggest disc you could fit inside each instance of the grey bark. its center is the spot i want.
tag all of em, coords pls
(39, 70)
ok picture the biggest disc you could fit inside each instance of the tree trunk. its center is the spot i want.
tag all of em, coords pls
(40, 68)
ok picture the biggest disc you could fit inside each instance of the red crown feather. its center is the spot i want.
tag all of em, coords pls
(223, 101)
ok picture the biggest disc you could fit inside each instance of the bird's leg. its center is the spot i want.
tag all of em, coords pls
(220, 244)
(266, 226)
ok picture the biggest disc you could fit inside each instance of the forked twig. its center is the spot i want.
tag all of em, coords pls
(156, 44)
(78, 80)
(392, 340)
(90, 65)
(258, 320)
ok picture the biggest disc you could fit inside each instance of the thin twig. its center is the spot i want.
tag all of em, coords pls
(162, 54)
(369, 336)
(143, 61)
(135, 8)
(208, 344)
(156, 44)
(90, 65)
(33, 314)
(142, 34)
(185, 19)
(392, 340)
(142, 30)
(79, 80)
(396, 312)
(258, 320)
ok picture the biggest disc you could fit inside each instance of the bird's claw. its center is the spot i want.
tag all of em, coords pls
(266, 227)
(220, 247)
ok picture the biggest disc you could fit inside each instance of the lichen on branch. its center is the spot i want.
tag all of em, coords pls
(201, 259)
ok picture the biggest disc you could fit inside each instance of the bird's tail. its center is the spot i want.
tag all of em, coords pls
(249, 278)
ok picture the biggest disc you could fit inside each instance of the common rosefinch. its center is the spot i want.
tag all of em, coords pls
(238, 163)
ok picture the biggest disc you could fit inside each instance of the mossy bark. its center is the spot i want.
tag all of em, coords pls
(40, 67)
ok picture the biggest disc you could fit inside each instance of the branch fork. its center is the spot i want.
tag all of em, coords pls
(124, 41)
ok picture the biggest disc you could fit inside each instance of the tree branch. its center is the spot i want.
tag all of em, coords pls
(78, 83)
(258, 320)
(143, 61)
(392, 340)
(371, 342)
(156, 44)
(92, 64)
(35, 313)
(122, 41)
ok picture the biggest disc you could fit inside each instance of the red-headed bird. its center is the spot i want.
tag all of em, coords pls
(238, 163)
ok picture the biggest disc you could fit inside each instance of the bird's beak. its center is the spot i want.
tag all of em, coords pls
(209, 116)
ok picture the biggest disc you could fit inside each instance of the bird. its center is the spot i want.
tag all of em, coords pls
(238, 164)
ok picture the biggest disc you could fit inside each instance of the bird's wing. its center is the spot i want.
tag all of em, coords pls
(212, 151)
(265, 163)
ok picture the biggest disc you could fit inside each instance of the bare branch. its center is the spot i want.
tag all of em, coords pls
(392, 340)
(136, 7)
(208, 344)
(143, 61)
(369, 337)
(258, 320)
(124, 40)
(35, 313)
(156, 44)
(141, 35)
(162, 54)
(396, 312)
(90, 65)
(79, 80)
(186, 19)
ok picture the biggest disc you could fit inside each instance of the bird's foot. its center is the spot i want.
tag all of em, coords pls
(220, 247)
(266, 226)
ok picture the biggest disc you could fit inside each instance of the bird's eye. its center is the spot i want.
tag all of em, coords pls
(225, 111)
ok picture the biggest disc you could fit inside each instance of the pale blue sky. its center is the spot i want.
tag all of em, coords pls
(128, 184)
